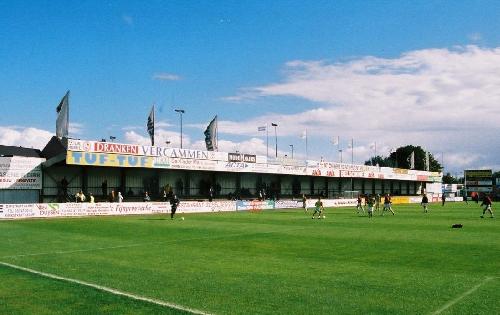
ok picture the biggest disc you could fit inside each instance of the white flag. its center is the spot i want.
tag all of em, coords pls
(62, 121)
(303, 135)
(335, 140)
(427, 161)
(412, 160)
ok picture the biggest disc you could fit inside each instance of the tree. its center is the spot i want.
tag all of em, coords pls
(449, 179)
(401, 158)
(381, 161)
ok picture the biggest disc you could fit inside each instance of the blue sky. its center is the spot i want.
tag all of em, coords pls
(391, 72)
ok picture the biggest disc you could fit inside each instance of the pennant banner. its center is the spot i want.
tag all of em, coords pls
(211, 135)
(62, 121)
(151, 125)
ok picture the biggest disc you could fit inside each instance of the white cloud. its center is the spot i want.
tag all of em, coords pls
(444, 99)
(475, 37)
(161, 137)
(128, 19)
(24, 136)
(166, 77)
(75, 128)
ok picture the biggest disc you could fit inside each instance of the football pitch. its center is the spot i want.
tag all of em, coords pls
(268, 262)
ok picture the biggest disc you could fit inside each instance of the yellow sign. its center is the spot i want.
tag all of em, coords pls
(108, 159)
(400, 199)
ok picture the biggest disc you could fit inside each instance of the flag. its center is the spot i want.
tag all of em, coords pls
(372, 146)
(151, 125)
(62, 122)
(427, 161)
(335, 140)
(262, 128)
(411, 159)
(211, 135)
(303, 135)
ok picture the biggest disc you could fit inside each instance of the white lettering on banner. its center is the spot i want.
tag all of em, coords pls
(288, 204)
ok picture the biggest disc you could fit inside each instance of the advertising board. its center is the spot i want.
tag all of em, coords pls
(20, 173)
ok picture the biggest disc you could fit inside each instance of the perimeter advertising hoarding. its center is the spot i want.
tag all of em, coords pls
(52, 210)
(20, 173)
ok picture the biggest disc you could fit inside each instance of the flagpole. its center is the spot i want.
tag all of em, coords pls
(307, 152)
(338, 146)
(217, 133)
(67, 118)
(267, 140)
(352, 150)
(153, 139)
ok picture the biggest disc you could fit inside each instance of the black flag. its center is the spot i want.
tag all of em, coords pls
(211, 135)
(62, 122)
(151, 125)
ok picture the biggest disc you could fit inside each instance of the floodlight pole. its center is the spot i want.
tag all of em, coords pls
(180, 111)
(275, 139)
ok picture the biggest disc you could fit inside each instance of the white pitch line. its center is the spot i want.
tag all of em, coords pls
(60, 252)
(457, 299)
(106, 289)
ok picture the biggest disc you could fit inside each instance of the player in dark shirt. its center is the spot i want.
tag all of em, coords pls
(487, 206)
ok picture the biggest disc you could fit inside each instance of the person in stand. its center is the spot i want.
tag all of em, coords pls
(111, 197)
(318, 208)
(119, 198)
(424, 203)
(304, 202)
(210, 194)
(64, 186)
(387, 204)
(359, 205)
(91, 198)
(146, 197)
(443, 199)
(487, 206)
(174, 203)
(80, 197)
(104, 188)
(164, 195)
(170, 193)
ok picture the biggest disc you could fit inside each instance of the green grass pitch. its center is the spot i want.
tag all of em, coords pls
(270, 262)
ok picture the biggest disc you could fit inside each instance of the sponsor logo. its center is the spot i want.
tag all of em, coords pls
(238, 157)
